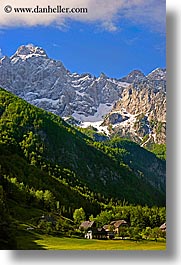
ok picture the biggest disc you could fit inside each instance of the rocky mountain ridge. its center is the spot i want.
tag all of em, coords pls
(139, 115)
(86, 99)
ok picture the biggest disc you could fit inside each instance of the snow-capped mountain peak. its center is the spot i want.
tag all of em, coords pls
(133, 76)
(157, 74)
(27, 51)
(46, 83)
(5, 60)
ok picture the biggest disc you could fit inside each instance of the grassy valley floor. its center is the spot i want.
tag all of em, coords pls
(32, 240)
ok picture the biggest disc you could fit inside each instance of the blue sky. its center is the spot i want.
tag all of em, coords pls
(115, 45)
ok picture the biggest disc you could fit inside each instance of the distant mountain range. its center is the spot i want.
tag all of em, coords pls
(133, 106)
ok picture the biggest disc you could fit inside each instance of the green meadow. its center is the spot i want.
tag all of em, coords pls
(33, 240)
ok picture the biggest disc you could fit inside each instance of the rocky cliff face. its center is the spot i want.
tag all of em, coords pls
(44, 82)
(134, 106)
(134, 76)
(139, 115)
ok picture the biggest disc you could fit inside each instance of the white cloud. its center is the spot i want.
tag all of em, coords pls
(152, 13)
(104, 12)
(109, 26)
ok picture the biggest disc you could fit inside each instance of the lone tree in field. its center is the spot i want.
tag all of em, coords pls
(79, 216)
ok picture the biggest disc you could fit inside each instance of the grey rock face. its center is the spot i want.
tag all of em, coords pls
(46, 83)
(146, 112)
(157, 74)
(115, 118)
(133, 76)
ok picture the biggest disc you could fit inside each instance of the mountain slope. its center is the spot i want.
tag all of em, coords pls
(140, 115)
(85, 99)
(46, 83)
(47, 148)
(142, 162)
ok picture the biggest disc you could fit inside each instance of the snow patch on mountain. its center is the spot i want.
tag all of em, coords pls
(102, 110)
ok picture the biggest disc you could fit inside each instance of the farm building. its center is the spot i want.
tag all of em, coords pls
(91, 231)
(107, 231)
(117, 225)
(163, 227)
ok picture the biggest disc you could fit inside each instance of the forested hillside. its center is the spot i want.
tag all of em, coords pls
(47, 164)
(43, 142)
